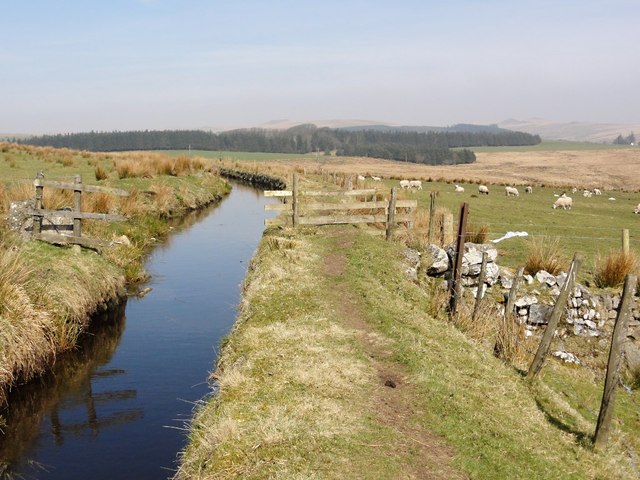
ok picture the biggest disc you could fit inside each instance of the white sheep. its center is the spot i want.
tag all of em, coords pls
(375, 179)
(597, 191)
(405, 184)
(511, 191)
(361, 178)
(587, 193)
(637, 209)
(458, 189)
(483, 189)
(528, 189)
(417, 184)
(563, 202)
(574, 190)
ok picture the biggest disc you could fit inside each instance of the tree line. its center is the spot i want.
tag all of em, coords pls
(628, 140)
(420, 147)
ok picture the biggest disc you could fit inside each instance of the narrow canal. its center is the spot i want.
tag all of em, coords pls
(117, 408)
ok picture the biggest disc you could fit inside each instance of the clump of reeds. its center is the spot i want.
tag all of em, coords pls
(55, 199)
(100, 172)
(484, 326)
(510, 340)
(545, 254)
(611, 269)
(477, 234)
(99, 202)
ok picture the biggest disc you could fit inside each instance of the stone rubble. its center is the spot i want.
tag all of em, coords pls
(586, 314)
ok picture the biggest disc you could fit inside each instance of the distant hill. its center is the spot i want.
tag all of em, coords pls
(358, 125)
(11, 136)
(574, 131)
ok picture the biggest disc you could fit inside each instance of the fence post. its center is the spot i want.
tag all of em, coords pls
(432, 211)
(500, 349)
(447, 229)
(391, 213)
(483, 268)
(558, 309)
(37, 217)
(512, 293)
(456, 285)
(613, 366)
(77, 205)
(294, 199)
(625, 241)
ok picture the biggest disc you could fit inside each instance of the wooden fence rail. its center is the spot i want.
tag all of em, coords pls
(39, 213)
(336, 207)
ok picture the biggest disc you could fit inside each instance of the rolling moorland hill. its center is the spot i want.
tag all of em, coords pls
(547, 129)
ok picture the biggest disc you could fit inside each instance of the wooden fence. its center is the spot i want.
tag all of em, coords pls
(40, 214)
(307, 207)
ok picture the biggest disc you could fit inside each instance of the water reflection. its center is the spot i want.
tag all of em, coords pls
(107, 413)
(64, 398)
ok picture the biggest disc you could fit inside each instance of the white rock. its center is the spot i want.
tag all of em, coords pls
(566, 357)
(526, 301)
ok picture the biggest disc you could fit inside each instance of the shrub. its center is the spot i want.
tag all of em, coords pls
(611, 269)
(545, 254)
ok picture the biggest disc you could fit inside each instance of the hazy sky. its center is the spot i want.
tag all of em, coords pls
(72, 65)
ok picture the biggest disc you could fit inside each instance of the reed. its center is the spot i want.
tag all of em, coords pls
(611, 269)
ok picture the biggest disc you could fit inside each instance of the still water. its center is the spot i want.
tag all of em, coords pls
(116, 409)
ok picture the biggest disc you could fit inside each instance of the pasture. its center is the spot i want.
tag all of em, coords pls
(593, 226)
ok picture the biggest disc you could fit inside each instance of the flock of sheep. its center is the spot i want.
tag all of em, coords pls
(563, 201)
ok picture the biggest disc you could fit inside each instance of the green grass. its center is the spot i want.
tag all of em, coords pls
(298, 396)
(244, 156)
(593, 226)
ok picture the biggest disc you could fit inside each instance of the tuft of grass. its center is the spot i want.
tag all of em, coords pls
(100, 172)
(611, 269)
(545, 254)
(477, 234)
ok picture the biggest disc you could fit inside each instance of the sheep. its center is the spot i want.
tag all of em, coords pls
(528, 189)
(405, 184)
(375, 179)
(458, 188)
(587, 193)
(563, 202)
(361, 178)
(597, 191)
(511, 191)
(637, 209)
(483, 189)
(574, 190)
(417, 184)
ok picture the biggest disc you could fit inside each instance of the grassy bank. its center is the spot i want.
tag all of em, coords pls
(46, 292)
(335, 369)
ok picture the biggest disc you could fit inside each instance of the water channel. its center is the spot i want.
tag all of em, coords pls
(116, 408)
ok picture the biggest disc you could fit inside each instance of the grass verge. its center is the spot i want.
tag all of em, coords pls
(47, 293)
(327, 320)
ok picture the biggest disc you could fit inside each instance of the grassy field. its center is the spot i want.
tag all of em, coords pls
(350, 372)
(244, 156)
(594, 225)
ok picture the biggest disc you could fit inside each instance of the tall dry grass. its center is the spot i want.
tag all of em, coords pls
(26, 339)
(100, 172)
(611, 269)
(545, 253)
(477, 234)
(149, 165)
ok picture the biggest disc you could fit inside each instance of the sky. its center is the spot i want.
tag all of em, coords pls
(72, 65)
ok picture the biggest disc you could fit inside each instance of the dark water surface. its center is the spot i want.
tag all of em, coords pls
(117, 408)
